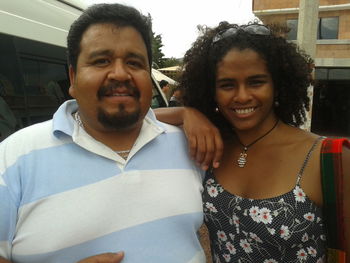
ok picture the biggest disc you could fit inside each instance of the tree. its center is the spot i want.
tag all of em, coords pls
(170, 62)
(157, 54)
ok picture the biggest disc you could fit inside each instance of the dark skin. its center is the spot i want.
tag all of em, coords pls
(244, 96)
(204, 141)
(260, 181)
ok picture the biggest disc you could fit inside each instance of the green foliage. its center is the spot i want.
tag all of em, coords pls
(158, 56)
(159, 61)
(170, 62)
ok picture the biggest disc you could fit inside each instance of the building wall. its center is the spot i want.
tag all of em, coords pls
(330, 114)
(268, 4)
(333, 48)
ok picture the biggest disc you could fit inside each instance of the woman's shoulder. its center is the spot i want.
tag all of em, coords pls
(295, 135)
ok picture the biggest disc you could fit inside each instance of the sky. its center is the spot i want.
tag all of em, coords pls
(176, 21)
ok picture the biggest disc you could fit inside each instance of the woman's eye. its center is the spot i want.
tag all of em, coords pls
(226, 86)
(257, 83)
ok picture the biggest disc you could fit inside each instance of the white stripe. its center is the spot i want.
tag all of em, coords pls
(171, 128)
(198, 258)
(96, 210)
(23, 142)
(5, 249)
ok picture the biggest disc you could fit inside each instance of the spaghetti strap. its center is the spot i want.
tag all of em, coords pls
(301, 171)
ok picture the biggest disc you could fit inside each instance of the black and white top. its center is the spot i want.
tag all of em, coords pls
(286, 228)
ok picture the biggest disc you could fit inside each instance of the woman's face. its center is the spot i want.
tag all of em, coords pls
(244, 91)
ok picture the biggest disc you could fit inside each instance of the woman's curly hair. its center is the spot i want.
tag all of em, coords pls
(290, 69)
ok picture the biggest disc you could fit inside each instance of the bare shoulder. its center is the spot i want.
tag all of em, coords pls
(297, 136)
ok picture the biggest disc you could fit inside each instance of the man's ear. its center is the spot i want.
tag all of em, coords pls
(72, 81)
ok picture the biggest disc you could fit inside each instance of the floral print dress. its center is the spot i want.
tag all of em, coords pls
(286, 228)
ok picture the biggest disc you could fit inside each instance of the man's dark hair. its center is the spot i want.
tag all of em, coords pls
(163, 83)
(117, 14)
(290, 69)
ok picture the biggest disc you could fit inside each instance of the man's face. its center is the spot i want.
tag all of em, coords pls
(166, 88)
(112, 83)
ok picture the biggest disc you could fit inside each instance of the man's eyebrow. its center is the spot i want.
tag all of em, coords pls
(107, 52)
(97, 53)
(137, 56)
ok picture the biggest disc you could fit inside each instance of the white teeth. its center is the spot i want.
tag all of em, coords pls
(244, 111)
(120, 95)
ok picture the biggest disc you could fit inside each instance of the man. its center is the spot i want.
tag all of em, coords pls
(176, 98)
(99, 177)
(164, 85)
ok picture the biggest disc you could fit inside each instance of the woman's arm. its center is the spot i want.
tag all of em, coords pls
(204, 139)
(346, 173)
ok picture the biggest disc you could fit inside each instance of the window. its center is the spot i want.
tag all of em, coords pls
(292, 24)
(46, 85)
(327, 28)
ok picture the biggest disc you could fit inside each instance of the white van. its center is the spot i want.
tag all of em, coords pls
(33, 70)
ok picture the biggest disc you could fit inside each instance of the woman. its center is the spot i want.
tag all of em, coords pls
(264, 202)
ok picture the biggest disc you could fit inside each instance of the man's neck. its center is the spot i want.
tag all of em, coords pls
(117, 140)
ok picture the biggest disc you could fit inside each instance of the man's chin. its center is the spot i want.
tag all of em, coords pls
(121, 120)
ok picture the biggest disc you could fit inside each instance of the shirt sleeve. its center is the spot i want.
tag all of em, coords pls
(8, 215)
(8, 207)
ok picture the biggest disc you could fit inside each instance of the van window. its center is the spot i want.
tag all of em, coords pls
(33, 82)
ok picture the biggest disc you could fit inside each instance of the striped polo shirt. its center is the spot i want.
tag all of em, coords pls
(65, 196)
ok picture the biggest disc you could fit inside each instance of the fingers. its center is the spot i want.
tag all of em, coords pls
(204, 140)
(201, 150)
(104, 258)
(211, 150)
(209, 153)
(206, 149)
(219, 150)
(192, 145)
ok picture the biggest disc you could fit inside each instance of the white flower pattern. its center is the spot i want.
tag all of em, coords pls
(299, 194)
(290, 223)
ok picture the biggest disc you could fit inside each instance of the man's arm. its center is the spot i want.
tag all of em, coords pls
(102, 258)
(204, 139)
(346, 171)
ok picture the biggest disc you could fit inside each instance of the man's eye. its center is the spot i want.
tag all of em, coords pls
(101, 62)
(135, 63)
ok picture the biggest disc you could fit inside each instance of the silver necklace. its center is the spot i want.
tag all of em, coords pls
(77, 119)
(242, 160)
(123, 154)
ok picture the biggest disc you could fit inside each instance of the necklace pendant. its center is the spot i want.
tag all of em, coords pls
(242, 160)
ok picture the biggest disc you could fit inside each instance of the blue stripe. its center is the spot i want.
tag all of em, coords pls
(171, 153)
(169, 240)
(8, 215)
(54, 170)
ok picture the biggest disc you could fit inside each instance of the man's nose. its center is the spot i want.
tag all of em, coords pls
(119, 71)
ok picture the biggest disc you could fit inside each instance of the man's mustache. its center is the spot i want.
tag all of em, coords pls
(108, 89)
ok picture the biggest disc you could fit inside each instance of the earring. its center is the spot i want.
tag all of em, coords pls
(276, 102)
(216, 109)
